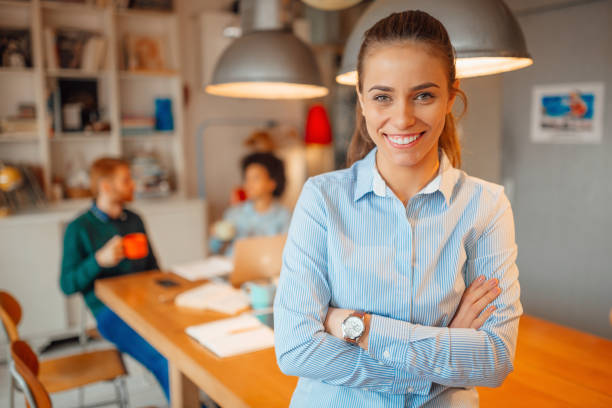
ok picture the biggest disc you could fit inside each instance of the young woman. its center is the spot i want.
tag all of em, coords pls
(372, 308)
(262, 214)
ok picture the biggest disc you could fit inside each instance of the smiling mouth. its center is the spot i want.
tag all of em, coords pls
(403, 140)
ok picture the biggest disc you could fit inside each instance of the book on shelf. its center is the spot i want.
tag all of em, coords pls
(15, 48)
(144, 53)
(137, 125)
(67, 48)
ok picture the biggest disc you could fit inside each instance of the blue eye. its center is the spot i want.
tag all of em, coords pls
(424, 96)
(382, 98)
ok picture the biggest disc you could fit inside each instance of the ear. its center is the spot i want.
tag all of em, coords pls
(453, 96)
(359, 99)
(273, 183)
(104, 185)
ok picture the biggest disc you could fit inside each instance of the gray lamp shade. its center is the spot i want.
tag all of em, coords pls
(267, 64)
(331, 4)
(486, 36)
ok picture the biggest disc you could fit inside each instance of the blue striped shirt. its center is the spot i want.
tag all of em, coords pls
(353, 244)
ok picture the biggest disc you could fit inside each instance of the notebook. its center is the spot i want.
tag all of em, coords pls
(220, 297)
(234, 336)
(208, 268)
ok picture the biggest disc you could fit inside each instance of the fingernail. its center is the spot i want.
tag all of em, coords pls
(493, 282)
(480, 279)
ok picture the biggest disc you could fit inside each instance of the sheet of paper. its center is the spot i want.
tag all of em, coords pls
(230, 337)
(214, 296)
(208, 268)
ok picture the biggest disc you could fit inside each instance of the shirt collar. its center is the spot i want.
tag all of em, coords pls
(104, 217)
(370, 180)
(365, 169)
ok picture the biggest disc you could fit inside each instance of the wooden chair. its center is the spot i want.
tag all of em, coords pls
(24, 371)
(69, 372)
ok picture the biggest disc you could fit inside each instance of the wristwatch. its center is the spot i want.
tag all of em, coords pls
(353, 327)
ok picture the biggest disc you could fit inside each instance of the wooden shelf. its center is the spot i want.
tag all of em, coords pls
(168, 74)
(80, 136)
(148, 136)
(18, 137)
(14, 3)
(118, 90)
(75, 73)
(71, 7)
(138, 13)
(16, 71)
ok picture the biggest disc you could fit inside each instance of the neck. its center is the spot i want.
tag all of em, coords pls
(110, 207)
(262, 204)
(406, 181)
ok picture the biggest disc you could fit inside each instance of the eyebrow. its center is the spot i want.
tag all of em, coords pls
(415, 88)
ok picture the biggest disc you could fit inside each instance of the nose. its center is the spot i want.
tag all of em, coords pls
(404, 117)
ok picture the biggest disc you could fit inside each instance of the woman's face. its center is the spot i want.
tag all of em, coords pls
(405, 99)
(257, 182)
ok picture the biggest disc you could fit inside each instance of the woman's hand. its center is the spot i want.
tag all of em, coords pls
(334, 319)
(333, 325)
(474, 300)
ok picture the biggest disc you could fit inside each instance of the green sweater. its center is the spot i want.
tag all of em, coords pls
(84, 236)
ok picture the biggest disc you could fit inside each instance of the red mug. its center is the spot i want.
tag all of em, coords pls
(135, 246)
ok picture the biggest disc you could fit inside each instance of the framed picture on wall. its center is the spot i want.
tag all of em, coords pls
(567, 113)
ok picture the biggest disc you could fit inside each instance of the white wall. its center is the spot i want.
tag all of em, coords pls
(480, 127)
(223, 144)
(562, 193)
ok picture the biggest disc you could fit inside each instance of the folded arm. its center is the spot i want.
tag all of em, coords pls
(457, 356)
(303, 348)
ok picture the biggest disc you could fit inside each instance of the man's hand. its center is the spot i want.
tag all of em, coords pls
(474, 300)
(111, 253)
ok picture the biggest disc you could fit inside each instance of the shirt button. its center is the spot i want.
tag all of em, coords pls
(410, 389)
(386, 354)
(437, 370)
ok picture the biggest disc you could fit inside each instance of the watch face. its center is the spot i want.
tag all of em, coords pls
(353, 327)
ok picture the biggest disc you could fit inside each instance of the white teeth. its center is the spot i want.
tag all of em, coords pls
(403, 140)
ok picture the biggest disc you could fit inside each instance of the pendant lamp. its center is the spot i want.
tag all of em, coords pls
(331, 4)
(267, 64)
(318, 129)
(485, 34)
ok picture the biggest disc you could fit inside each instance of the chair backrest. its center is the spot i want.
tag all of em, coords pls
(10, 313)
(257, 258)
(24, 369)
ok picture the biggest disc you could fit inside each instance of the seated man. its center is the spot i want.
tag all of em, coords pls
(93, 249)
(261, 214)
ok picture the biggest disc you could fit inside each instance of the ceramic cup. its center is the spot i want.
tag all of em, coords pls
(135, 246)
(261, 293)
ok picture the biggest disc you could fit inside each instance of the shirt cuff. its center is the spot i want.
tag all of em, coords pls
(388, 343)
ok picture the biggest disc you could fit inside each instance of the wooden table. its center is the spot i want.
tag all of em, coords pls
(248, 380)
(555, 366)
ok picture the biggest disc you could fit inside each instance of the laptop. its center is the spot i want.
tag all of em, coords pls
(257, 258)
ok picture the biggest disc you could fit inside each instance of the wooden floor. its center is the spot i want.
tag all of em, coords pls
(555, 367)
